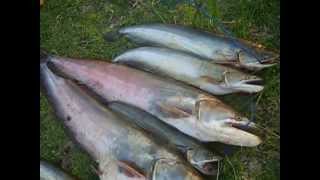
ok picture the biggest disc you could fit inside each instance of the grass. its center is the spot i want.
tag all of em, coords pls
(77, 28)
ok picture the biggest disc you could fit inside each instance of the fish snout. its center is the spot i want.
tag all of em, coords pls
(237, 132)
(221, 124)
(252, 85)
(253, 63)
(257, 66)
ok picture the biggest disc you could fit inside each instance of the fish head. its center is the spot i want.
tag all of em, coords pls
(172, 169)
(203, 160)
(256, 62)
(239, 81)
(223, 124)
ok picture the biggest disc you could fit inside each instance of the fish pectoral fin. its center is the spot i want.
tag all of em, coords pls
(129, 171)
(173, 111)
(208, 79)
(166, 168)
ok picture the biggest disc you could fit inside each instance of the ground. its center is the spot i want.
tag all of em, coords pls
(84, 29)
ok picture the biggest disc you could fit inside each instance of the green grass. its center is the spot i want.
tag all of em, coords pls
(76, 28)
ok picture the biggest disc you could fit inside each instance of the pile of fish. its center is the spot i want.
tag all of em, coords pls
(148, 114)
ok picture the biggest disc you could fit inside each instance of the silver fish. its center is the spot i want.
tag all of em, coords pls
(188, 109)
(197, 155)
(118, 147)
(213, 78)
(216, 48)
(49, 172)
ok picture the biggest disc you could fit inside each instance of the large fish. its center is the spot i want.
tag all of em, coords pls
(216, 48)
(190, 110)
(214, 78)
(49, 172)
(198, 155)
(118, 147)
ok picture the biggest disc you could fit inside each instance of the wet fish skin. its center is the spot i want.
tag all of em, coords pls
(188, 109)
(213, 78)
(215, 48)
(122, 151)
(49, 172)
(199, 156)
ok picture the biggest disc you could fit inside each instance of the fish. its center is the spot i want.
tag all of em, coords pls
(201, 158)
(121, 150)
(213, 78)
(214, 48)
(192, 111)
(50, 172)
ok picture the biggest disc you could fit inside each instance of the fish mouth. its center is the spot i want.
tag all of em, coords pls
(265, 62)
(249, 86)
(259, 66)
(244, 124)
(222, 124)
(239, 133)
